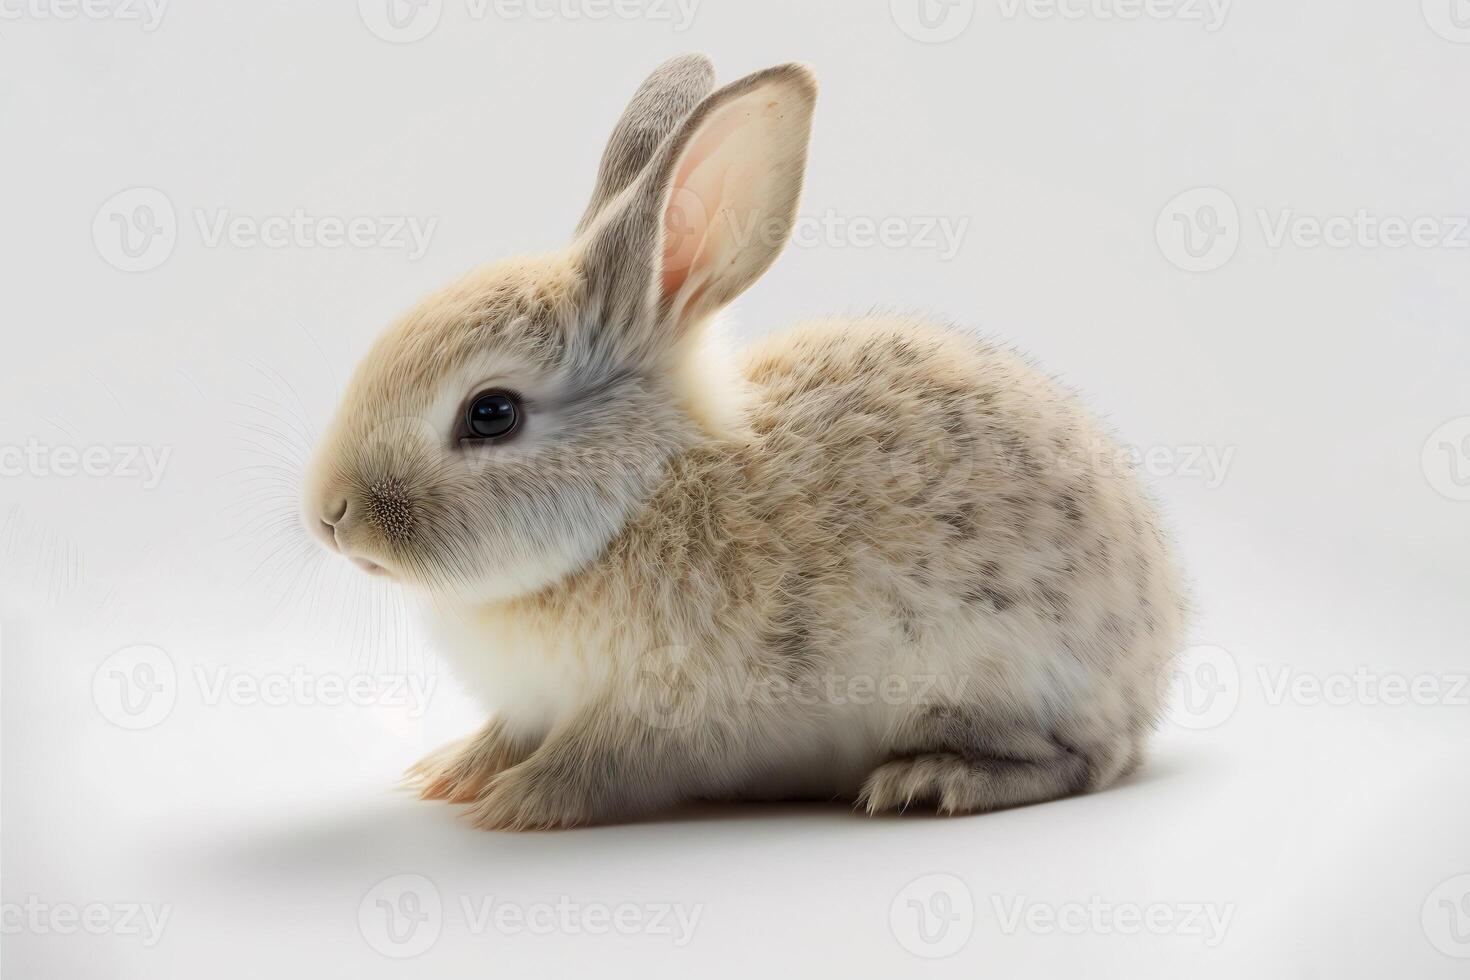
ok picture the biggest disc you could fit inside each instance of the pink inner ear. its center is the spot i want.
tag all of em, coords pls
(685, 225)
(695, 198)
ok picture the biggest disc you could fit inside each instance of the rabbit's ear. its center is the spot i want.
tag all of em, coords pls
(663, 101)
(711, 212)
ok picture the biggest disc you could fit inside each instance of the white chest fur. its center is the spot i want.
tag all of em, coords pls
(525, 672)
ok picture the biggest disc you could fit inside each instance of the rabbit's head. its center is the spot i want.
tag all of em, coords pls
(501, 434)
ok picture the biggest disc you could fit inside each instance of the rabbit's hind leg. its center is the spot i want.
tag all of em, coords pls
(952, 783)
(965, 759)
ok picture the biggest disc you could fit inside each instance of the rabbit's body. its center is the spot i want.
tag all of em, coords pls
(873, 559)
(911, 538)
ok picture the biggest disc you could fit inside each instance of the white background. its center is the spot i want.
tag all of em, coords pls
(1326, 542)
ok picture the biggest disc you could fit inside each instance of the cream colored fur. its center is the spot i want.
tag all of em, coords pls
(872, 558)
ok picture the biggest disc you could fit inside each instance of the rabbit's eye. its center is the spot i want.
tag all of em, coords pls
(493, 415)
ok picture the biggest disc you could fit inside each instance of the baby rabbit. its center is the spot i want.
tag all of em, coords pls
(870, 558)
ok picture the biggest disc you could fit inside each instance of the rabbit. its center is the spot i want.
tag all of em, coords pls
(870, 559)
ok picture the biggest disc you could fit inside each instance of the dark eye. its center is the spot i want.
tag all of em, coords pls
(493, 415)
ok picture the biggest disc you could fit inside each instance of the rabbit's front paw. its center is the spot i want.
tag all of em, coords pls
(527, 798)
(458, 772)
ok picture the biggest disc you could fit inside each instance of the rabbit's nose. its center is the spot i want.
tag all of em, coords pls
(334, 511)
(332, 514)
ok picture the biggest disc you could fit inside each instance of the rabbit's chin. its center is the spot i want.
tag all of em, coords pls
(446, 596)
(504, 582)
